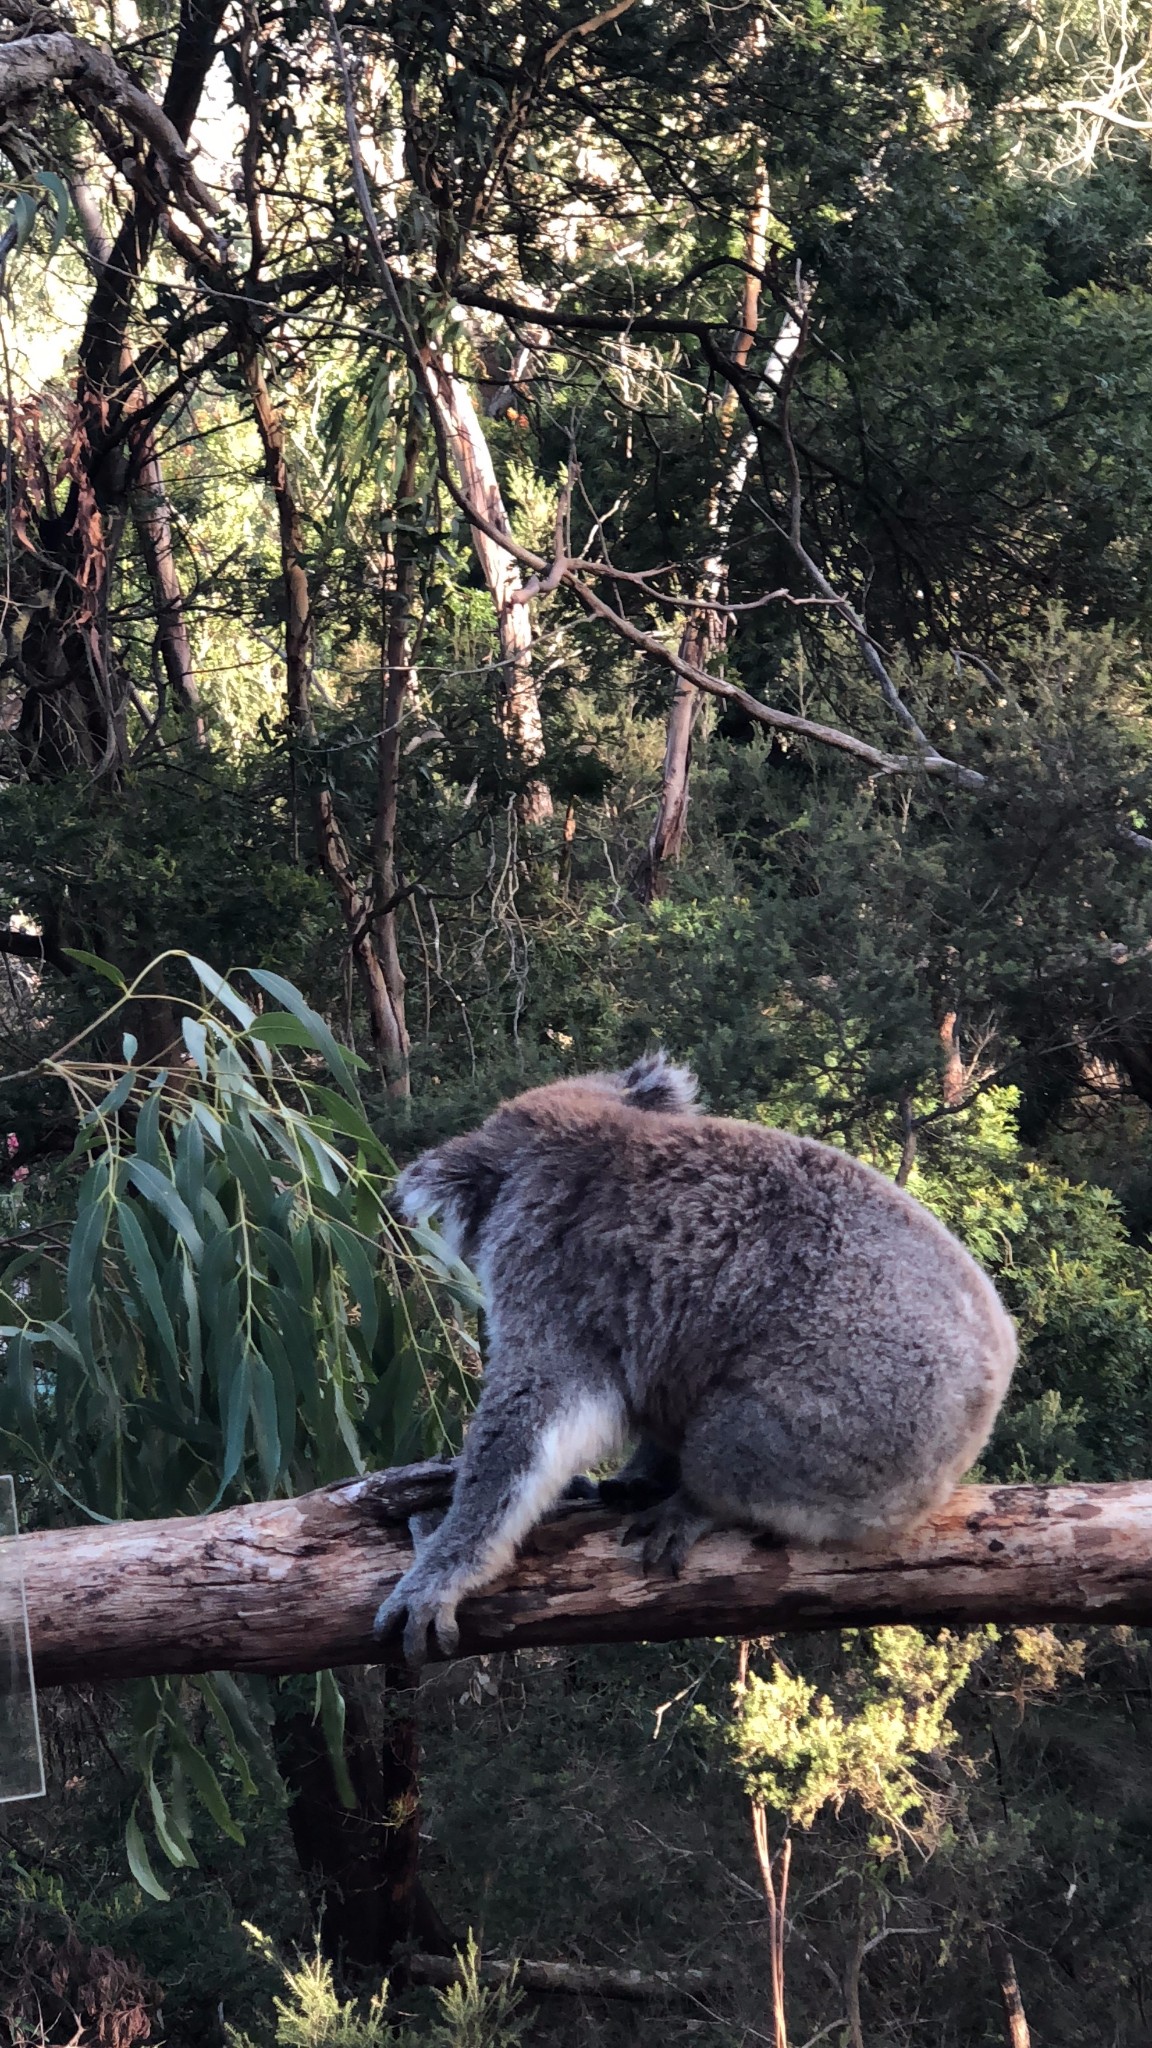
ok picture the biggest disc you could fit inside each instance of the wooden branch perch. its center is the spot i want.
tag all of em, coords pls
(293, 1585)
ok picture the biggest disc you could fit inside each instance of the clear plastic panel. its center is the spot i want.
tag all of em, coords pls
(21, 1758)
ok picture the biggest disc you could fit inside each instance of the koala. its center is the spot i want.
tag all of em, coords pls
(799, 1346)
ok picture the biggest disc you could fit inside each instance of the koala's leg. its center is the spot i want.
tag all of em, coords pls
(523, 1445)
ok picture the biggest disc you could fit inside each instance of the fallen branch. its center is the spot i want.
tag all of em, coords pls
(292, 1585)
(581, 1980)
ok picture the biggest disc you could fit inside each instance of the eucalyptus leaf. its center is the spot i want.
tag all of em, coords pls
(139, 1863)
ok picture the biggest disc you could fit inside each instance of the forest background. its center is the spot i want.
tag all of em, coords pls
(642, 532)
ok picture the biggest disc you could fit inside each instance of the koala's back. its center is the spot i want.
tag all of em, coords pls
(722, 1270)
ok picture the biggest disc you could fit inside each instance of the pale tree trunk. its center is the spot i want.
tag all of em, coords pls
(774, 1881)
(705, 631)
(953, 1081)
(520, 706)
(396, 684)
(385, 1004)
(1017, 2033)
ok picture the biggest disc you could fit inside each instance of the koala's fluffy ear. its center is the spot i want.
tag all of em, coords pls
(654, 1083)
(458, 1181)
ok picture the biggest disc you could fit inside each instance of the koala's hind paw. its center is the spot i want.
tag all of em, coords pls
(421, 1607)
(668, 1533)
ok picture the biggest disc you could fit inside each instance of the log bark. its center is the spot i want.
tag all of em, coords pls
(286, 1586)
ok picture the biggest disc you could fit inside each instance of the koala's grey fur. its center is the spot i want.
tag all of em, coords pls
(823, 1357)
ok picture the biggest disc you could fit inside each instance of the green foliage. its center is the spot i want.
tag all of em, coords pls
(798, 1749)
(229, 1315)
(475, 2015)
(205, 1300)
(311, 2014)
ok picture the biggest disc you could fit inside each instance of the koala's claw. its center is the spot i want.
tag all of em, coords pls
(668, 1532)
(420, 1610)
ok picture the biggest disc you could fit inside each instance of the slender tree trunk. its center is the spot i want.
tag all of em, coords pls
(852, 1985)
(1016, 2030)
(907, 1138)
(151, 512)
(396, 680)
(702, 637)
(152, 519)
(564, 869)
(705, 631)
(389, 1038)
(953, 1083)
(520, 709)
(774, 1880)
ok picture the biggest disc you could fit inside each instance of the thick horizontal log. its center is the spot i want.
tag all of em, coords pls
(293, 1585)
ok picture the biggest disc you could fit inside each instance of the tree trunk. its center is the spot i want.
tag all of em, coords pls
(702, 636)
(705, 631)
(953, 1082)
(361, 1862)
(73, 713)
(151, 513)
(396, 679)
(293, 1585)
(386, 1022)
(520, 707)
(152, 519)
(1016, 2030)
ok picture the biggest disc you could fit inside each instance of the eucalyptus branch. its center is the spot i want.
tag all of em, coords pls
(32, 63)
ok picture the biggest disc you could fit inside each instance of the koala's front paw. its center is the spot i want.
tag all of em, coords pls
(421, 1603)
